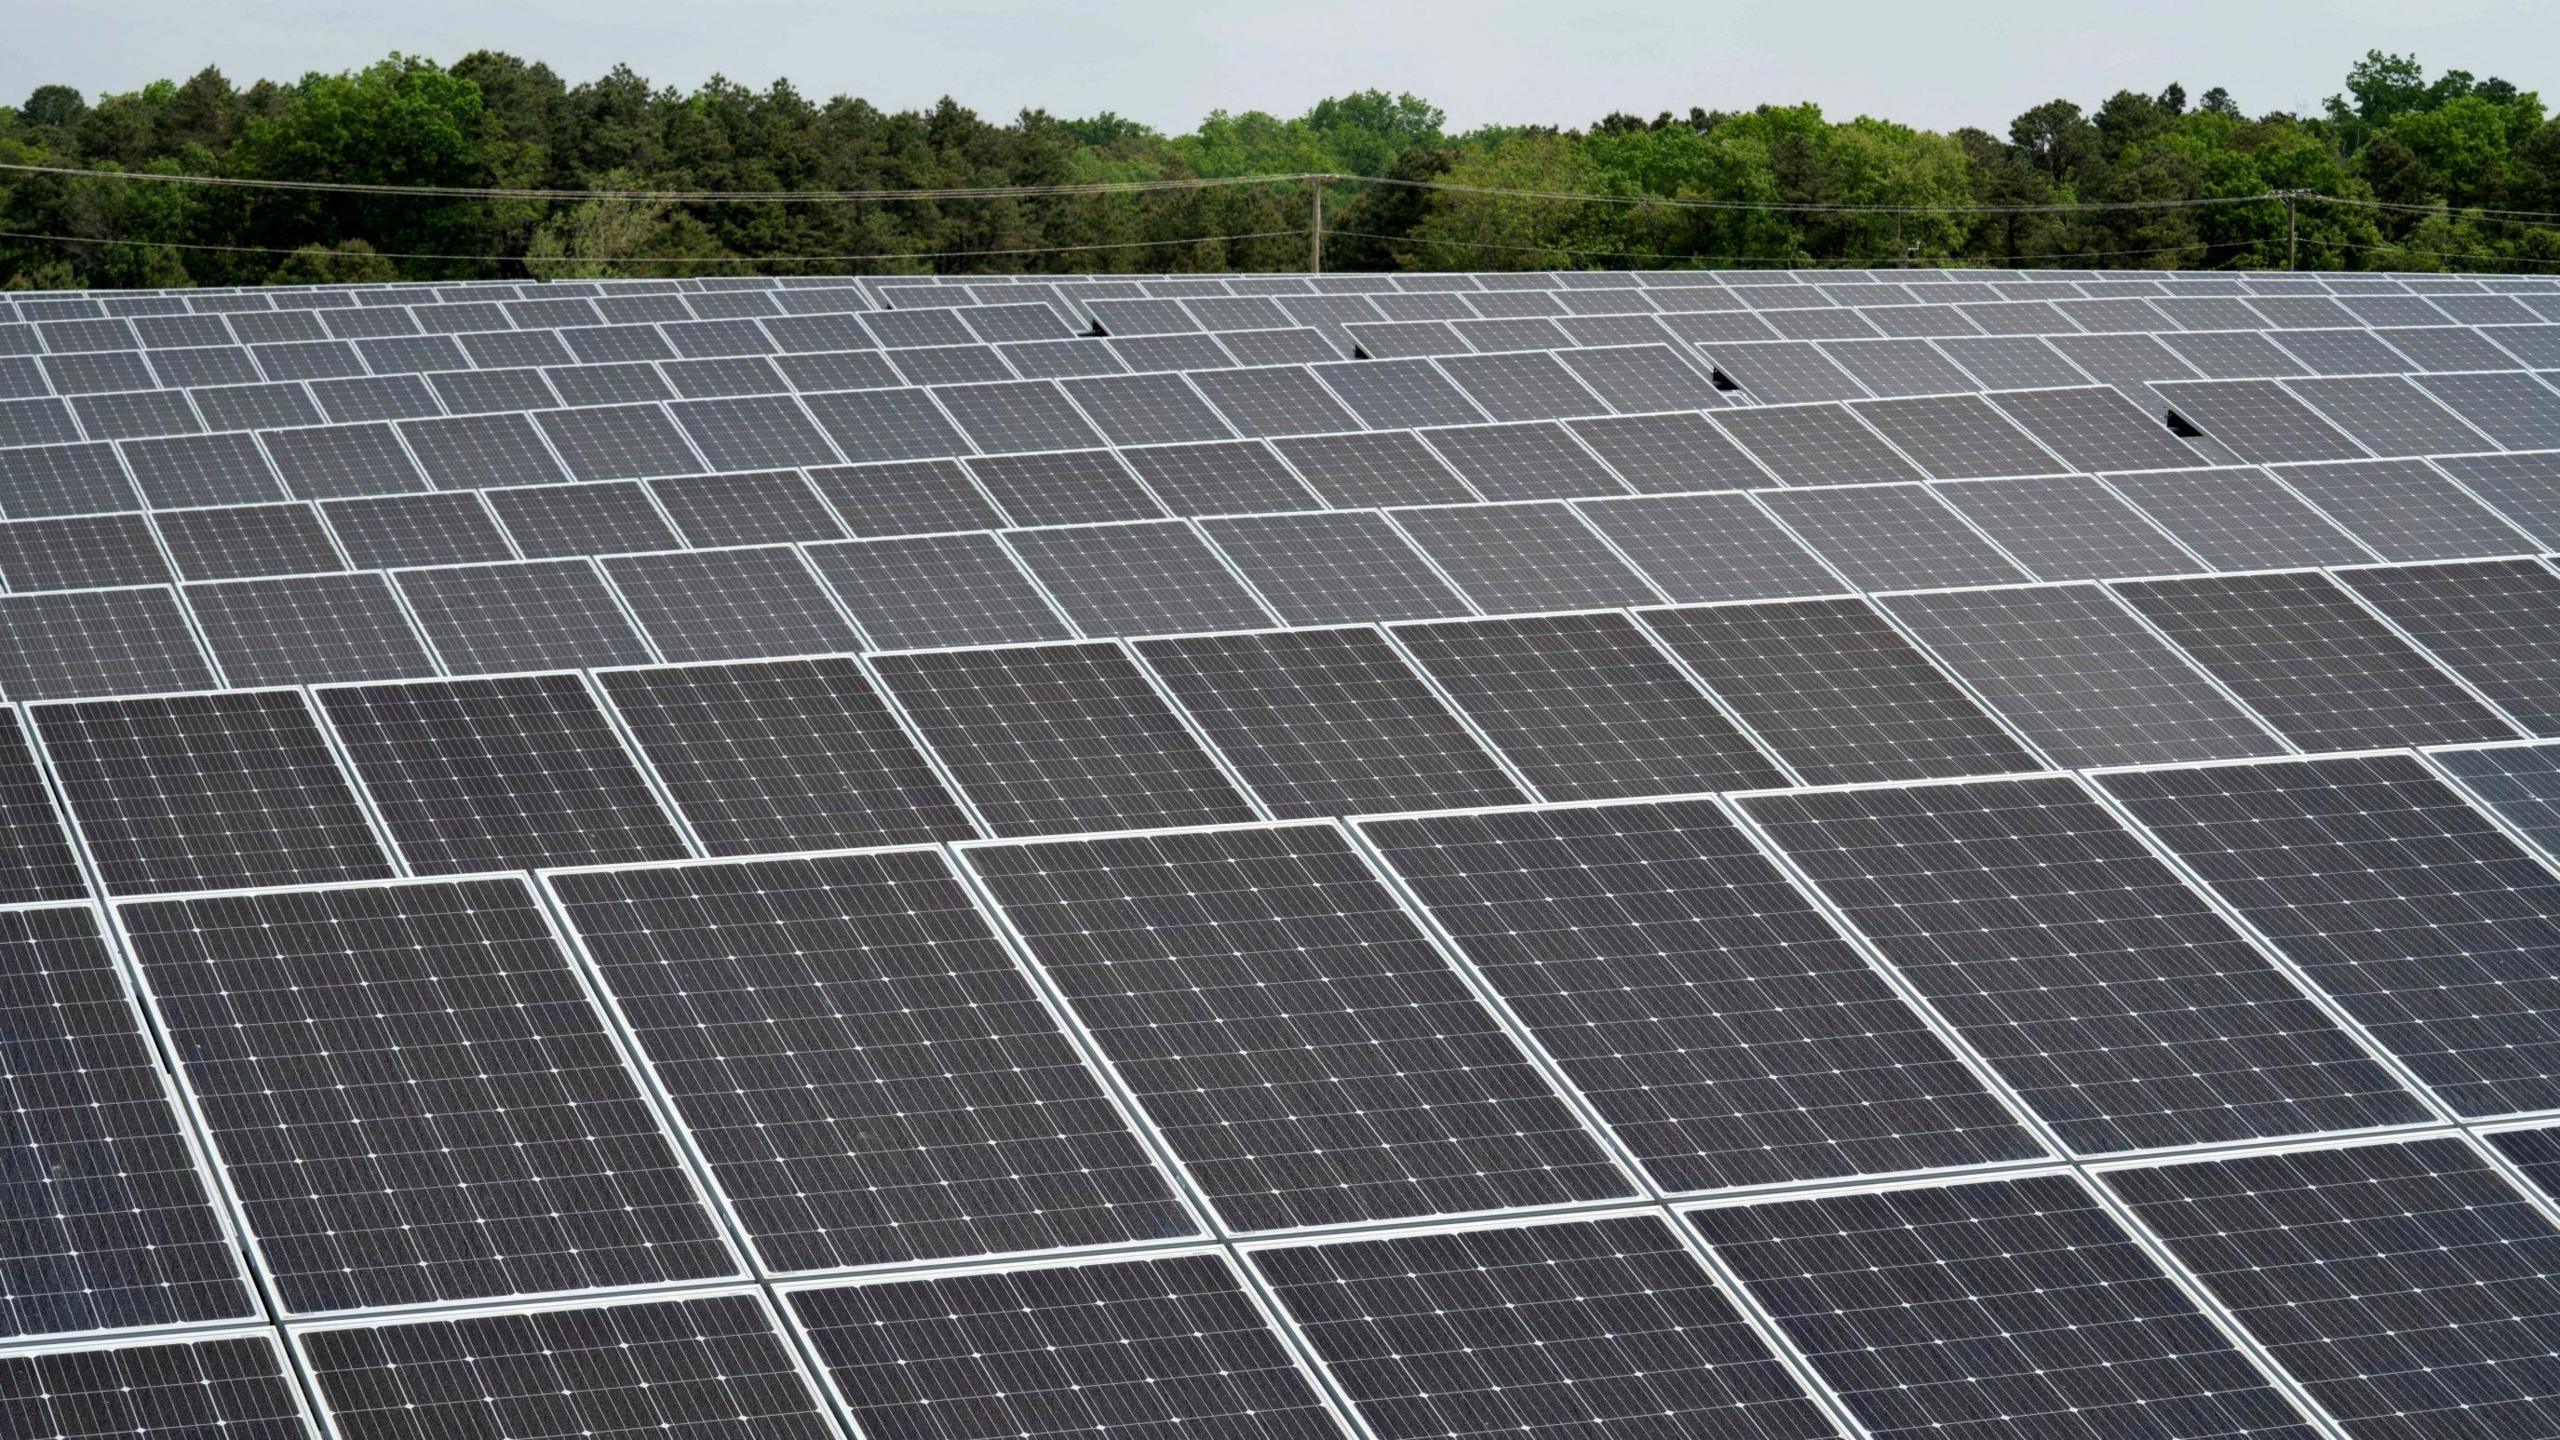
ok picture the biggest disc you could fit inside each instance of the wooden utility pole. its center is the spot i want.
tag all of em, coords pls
(2289, 197)
(1315, 222)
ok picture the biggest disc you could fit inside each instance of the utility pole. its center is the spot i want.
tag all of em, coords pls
(2289, 197)
(1315, 222)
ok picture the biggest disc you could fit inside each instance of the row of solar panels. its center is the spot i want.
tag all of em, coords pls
(2353, 1282)
(430, 1094)
(730, 757)
(924, 291)
(1000, 341)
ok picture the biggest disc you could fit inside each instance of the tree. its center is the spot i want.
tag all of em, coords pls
(58, 105)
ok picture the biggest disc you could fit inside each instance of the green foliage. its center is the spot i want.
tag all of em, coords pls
(1778, 184)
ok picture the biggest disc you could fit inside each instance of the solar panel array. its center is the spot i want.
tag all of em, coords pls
(1780, 854)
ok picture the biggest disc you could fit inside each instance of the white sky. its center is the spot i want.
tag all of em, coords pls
(1937, 63)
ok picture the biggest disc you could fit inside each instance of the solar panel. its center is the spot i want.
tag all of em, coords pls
(604, 518)
(2095, 429)
(2085, 681)
(2519, 783)
(1524, 557)
(207, 792)
(2404, 510)
(2239, 519)
(64, 480)
(1663, 453)
(1569, 1328)
(2067, 527)
(68, 644)
(439, 528)
(1328, 567)
(378, 396)
(1396, 394)
(771, 507)
(787, 755)
(114, 1221)
(2005, 1307)
(1722, 1028)
(1906, 367)
(1710, 547)
(239, 541)
(1393, 468)
(1146, 409)
(914, 497)
(1891, 537)
(2388, 415)
(615, 442)
(2492, 622)
(308, 629)
(1010, 417)
(613, 384)
(81, 552)
(1530, 385)
(2011, 362)
(2518, 412)
(1149, 578)
(1219, 478)
(1327, 722)
(948, 364)
(932, 590)
(481, 450)
(413, 1098)
(1586, 707)
(1957, 436)
(2402, 1284)
(730, 604)
(2240, 354)
(520, 615)
(233, 1385)
(709, 1365)
(2314, 665)
(209, 470)
(1303, 1050)
(1816, 445)
(1045, 739)
(2422, 918)
(1274, 400)
(1523, 462)
(1839, 696)
(1072, 487)
(1784, 372)
(1159, 1345)
(868, 1073)
(517, 772)
(2124, 1009)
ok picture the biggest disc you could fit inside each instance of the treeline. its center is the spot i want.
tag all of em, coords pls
(2443, 157)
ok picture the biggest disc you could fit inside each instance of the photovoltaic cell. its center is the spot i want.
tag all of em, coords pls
(605, 518)
(2088, 683)
(1158, 1346)
(519, 772)
(1054, 738)
(1586, 707)
(232, 542)
(438, 528)
(911, 497)
(2302, 654)
(1146, 409)
(2010, 1308)
(1396, 394)
(1664, 453)
(81, 552)
(711, 1366)
(1302, 1048)
(2125, 1010)
(2523, 488)
(1327, 722)
(1523, 462)
(1957, 437)
(1579, 1328)
(1069, 487)
(413, 1097)
(1831, 687)
(2095, 429)
(473, 451)
(2426, 922)
(1710, 547)
(866, 1069)
(1227, 477)
(1393, 468)
(771, 507)
(1724, 1030)
(612, 442)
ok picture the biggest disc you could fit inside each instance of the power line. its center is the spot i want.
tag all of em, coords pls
(1183, 183)
(645, 259)
(499, 192)
(1793, 262)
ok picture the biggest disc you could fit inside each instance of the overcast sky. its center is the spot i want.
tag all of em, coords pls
(1938, 63)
